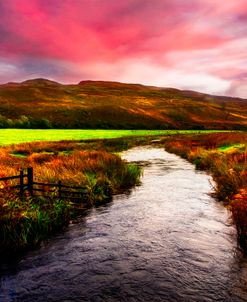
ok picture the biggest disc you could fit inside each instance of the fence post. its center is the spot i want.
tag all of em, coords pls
(59, 189)
(30, 180)
(21, 183)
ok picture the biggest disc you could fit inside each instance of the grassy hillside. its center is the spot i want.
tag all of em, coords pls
(42, 103)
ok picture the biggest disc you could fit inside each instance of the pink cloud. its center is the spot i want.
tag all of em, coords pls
(200, 37)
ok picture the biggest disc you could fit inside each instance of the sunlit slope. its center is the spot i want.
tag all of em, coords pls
(118, 106)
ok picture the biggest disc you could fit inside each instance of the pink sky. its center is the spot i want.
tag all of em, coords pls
(188, 44)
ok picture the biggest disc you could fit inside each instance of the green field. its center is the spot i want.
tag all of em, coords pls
(16, 136)
(232, 148)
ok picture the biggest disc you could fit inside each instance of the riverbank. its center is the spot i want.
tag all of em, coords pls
(77, 163)
(168, 240)
(224, 156)
(25, 222)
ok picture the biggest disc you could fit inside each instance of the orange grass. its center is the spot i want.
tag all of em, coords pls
(77, 168)
(239, 214)
(24, 223)
(228, 169)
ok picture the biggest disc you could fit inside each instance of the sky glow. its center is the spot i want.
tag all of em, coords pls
(194, 44)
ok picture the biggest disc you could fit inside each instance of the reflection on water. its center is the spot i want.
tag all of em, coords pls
(166, 241)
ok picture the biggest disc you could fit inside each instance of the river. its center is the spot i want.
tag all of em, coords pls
(166, 240)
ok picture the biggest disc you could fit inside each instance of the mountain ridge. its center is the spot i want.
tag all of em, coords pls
(106, 104)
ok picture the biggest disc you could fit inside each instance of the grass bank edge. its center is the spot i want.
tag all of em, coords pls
(25, 223)
(224, 156)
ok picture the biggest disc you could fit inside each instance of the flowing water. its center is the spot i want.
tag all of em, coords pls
(167, 240)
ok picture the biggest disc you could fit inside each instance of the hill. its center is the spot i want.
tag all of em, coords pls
(41, 103)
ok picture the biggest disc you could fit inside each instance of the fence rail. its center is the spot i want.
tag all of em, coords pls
(27, 185)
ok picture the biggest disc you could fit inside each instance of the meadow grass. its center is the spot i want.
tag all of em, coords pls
(16, 136)
(25, 222)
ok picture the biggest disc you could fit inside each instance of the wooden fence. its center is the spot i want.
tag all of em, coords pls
(27, 186)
